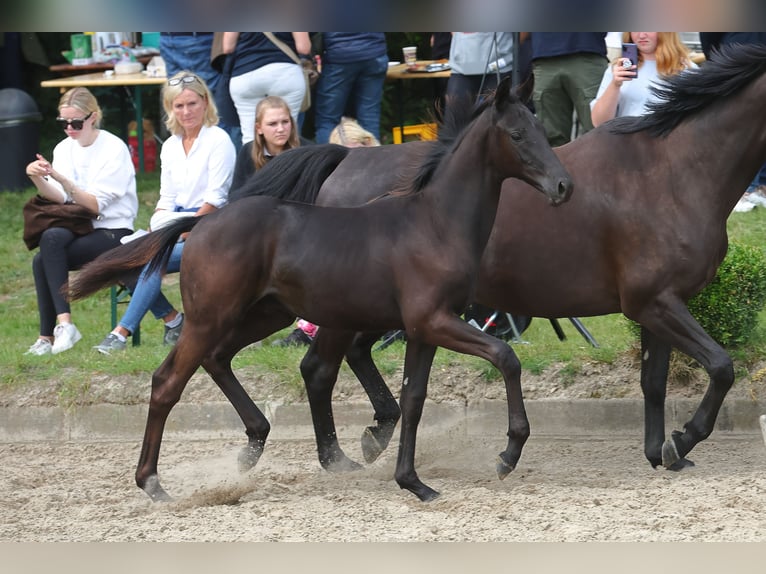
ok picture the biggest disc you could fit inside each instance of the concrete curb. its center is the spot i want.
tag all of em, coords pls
(215, 420)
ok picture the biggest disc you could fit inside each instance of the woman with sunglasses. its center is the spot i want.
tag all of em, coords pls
(197, 162)
(91, 167)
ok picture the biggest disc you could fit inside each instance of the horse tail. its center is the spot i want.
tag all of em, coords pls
(295, 175)
(111, 267)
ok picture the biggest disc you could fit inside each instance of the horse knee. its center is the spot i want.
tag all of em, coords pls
(722, 374)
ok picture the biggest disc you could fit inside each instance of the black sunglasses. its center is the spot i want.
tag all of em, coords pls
(184, 79)
(75, 124)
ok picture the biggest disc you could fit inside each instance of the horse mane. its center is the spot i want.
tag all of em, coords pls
(681, 96)
(456, 116)
(294, 175)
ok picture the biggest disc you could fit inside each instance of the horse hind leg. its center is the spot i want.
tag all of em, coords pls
(375, 439)
(319, 369)
(261, 321)
(168, 383)
(677, 326)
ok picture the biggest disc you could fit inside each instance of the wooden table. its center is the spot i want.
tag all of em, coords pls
(399, 73)
(71, 69)
(132, 82)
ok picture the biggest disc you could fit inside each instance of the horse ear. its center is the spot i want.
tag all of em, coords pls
(503, 93)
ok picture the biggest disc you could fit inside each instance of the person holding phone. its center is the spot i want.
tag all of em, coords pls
(625, 92)
(92, 167)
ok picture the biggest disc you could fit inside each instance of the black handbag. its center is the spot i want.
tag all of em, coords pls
(41, 213)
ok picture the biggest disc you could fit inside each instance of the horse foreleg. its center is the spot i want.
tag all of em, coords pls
(674, 324)
(455, 334)
(168, 382)
(319, 369)
(375, 439)
(417, 367)
(655, 358)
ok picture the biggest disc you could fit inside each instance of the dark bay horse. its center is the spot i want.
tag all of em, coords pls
(645, 232)
(406, 261)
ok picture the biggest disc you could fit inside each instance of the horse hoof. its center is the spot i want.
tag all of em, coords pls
(249, 457)
(152, 488)
(371, 447)
(503, 468)
(671, 460)
(342, 464)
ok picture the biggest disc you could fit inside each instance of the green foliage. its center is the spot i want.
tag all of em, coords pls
(728, 307)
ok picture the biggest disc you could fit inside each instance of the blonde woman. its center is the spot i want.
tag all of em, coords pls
(197, 163)
(350, 134)
(275, 131)
(625, 91)
(91, 167)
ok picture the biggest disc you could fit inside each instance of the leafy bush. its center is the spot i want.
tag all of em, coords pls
(727, 308)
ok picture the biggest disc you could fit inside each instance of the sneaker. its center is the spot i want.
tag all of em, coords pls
(41, 347)
(294, 339)
(743, 206)
(65, 336)
(172, 333)
(110, 343)
(756, 198)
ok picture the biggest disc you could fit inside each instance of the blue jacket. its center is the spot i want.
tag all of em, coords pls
(348, 47)
(551, 44)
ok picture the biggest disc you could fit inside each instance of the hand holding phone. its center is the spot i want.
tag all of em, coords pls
(630, 52)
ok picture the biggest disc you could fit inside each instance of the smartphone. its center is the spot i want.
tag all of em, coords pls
(630, 52)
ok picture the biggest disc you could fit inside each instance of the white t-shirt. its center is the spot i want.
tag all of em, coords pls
(203, 176)
(635, 93)
(105, 170)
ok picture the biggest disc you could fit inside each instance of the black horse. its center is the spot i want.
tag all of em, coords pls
(644, 233)
(407, 261)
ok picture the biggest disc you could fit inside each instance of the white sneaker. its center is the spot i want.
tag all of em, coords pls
(40, 348)
(743, 206)
(756, 198)
(65, 336)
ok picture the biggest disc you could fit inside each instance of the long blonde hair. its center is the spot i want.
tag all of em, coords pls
(259, 141)
(82, 99)
(350, 134)
(199, 87)
(671, 54)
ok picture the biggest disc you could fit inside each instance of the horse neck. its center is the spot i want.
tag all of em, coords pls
(723, 148)
(467, 184)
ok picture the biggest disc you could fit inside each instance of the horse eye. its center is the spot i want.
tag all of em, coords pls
(516, 136)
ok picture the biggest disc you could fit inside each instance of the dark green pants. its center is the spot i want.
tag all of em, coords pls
(563, 85)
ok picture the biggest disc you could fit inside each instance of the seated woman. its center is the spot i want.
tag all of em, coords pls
(275, 132)
(91, 167)
(197, 162)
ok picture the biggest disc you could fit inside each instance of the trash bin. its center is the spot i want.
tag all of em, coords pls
(19, 137)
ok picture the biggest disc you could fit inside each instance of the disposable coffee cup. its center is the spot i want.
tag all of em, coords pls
(410, 55)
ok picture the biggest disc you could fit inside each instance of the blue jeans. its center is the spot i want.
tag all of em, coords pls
(193, 53)
(148, 296)
(356, 89)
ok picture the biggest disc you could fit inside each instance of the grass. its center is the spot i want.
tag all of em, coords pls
(72, 371)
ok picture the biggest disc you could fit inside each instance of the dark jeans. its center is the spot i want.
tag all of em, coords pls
(356, 86)
(60, 252)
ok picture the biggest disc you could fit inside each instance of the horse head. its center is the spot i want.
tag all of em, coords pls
(524, 149)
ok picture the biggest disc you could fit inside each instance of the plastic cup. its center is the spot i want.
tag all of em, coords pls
(410, 55)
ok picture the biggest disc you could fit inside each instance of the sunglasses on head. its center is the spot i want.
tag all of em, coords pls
(184, 79)
(74, 124)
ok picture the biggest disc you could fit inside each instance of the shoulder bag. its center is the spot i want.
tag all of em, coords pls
(41, 213)
(310, 74)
